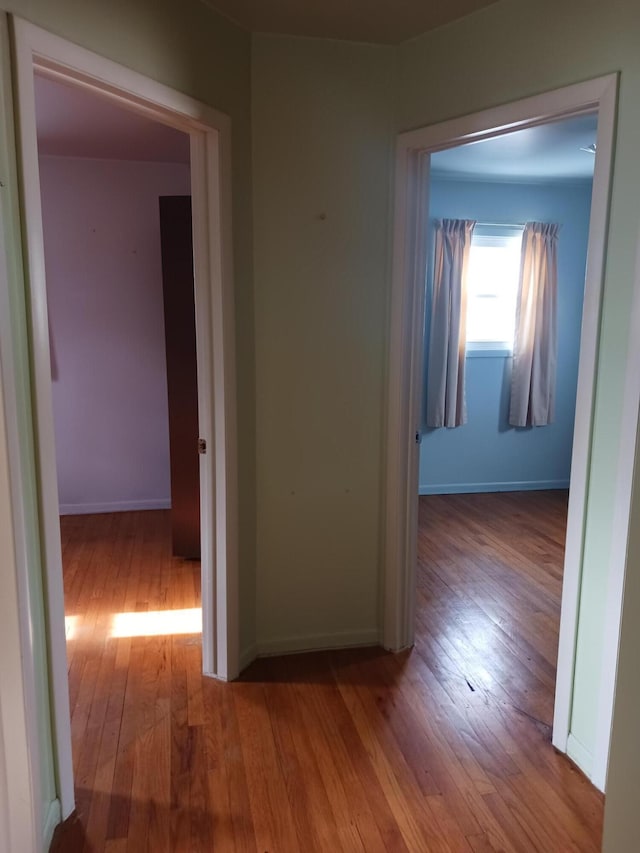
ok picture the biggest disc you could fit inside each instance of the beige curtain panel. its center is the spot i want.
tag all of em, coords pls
(533, 378)
(447, 342)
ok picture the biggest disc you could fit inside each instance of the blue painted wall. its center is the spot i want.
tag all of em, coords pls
(486, 454)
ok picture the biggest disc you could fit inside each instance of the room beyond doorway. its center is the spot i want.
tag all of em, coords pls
(542, 174)
(405, 386)
(118, 252)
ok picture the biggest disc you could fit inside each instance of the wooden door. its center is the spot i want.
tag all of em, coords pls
(182, 374)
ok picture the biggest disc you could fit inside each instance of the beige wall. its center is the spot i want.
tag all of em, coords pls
(322, 146)
(621, 833)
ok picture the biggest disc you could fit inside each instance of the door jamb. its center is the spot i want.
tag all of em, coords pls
(22, 815)
(210, 134)
(413, 152)
(620, 538)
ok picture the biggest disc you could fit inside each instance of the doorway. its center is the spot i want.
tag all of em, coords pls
(493, 496)
(406, 349)
(37, 51)
(116, 208)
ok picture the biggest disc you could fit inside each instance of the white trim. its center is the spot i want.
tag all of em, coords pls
(309, 643)
(579, 754)
(582, 436)
(25, 760)
(210, 133)
(403, 400)
(620, 541)
(21, 811)
(406, 347)
(568, 101)
(202, 301)
(51, 819)
(489, 349)
(43, 421)
(115, 506)
(225, 451)
(477, 488)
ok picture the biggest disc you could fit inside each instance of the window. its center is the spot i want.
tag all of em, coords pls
(492, 288)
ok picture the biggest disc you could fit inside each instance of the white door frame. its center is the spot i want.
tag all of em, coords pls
(620, 539)
(22, 818)
(210, 135)
(406, 357)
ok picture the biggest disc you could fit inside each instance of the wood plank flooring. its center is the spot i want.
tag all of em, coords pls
(442, 749)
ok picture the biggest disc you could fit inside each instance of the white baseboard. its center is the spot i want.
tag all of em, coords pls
(114, 506)
(52, 818)
(317, 642)
(309, 643)
(474, 488)
(580, 755)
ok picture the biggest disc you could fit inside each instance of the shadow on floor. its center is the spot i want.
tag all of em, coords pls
(352, 666)
(70, 837)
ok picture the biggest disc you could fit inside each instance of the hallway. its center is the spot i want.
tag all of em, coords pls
(443, 748)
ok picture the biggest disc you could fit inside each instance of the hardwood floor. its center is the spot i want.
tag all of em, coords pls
(489, 586)
(444, 748)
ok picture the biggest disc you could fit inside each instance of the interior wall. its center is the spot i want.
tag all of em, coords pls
(194, 50)
(623, 783)
(486, 454)
(101, 225)
(493, 57)
(489, 58)
(323, 142)
(322, 146)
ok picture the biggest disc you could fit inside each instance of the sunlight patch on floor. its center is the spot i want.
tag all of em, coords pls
(70, 626)
(157, 623)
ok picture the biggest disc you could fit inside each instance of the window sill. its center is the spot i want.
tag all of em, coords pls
(488, 351)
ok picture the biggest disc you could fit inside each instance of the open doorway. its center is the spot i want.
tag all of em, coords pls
(494, 495)
(38, 52)
(116, 214)
(414, 153)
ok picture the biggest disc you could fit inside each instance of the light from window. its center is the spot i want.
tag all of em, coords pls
(156, 623)
(492, 288)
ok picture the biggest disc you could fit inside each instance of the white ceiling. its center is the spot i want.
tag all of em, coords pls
(548, 152)
(377, 21)
(72, 122)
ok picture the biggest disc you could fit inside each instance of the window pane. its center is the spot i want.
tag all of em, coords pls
(492, 289)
